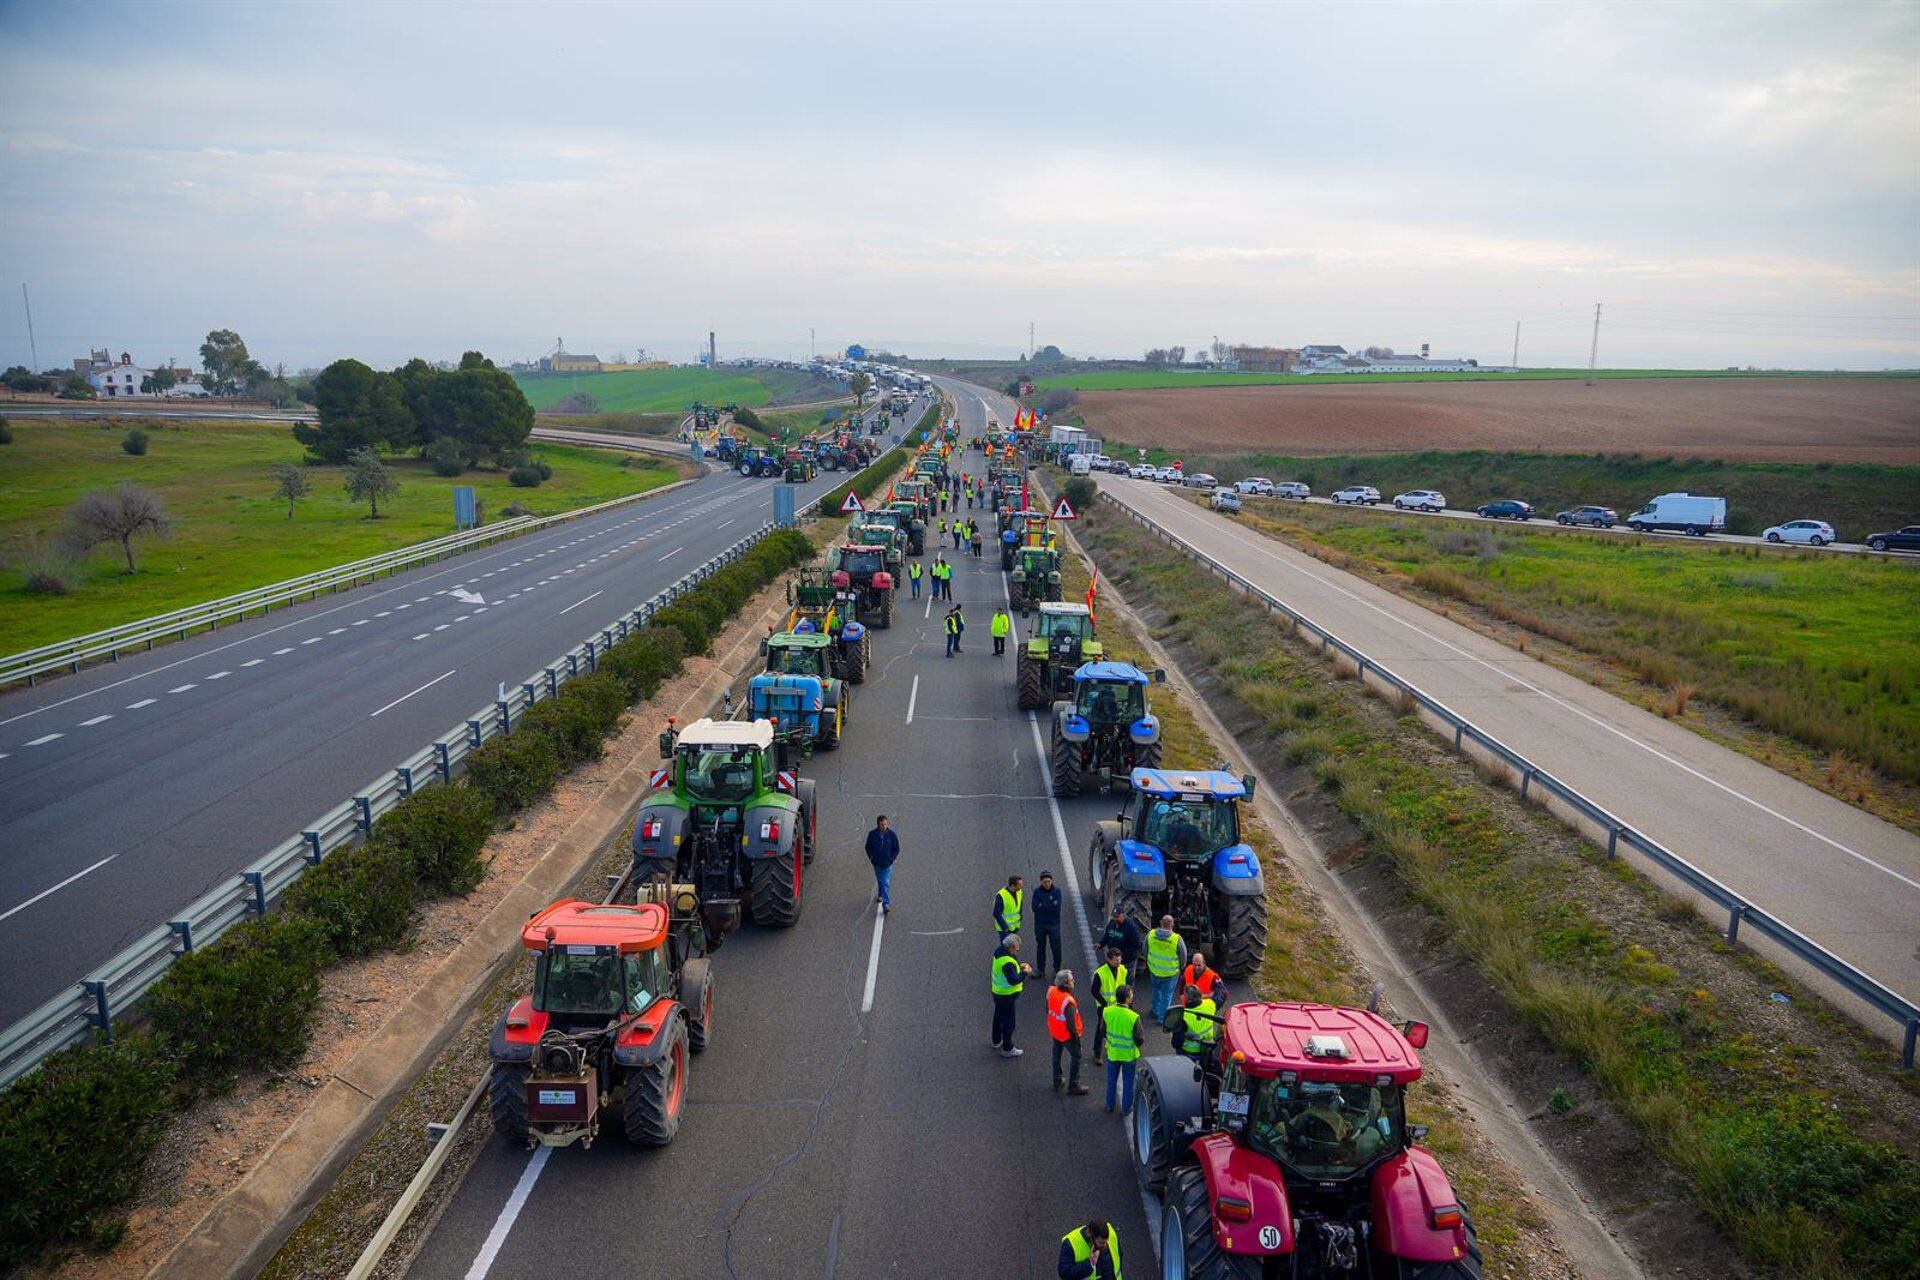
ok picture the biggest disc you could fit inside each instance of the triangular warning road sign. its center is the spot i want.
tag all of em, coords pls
(852, 504)
(1063, 510)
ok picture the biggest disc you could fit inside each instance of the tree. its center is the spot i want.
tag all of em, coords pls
(74, 386)
(478, 405)
(368, 480)
(861, 385)
(159, 382)
(229, 366)
(290, 483)
(358, 409)
(120, 515)
(1221, 351)
(1379, 353)
(1049, 354)
(444, 454)
(1176, 355)
(1157, 357)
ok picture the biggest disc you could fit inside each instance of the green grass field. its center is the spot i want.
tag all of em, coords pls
(1855, 498)
(1798, 643)
(229, 532)
(1162, 379)
(671, 390)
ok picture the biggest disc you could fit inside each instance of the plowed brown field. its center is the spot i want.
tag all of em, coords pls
(1751, 419)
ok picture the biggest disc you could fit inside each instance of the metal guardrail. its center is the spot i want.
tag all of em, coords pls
(106, 645)
(91, 1005)
(1740, 912)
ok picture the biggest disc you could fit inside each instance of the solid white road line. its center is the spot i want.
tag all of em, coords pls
(403, 697)
(508, 1212)
(873, 958)
(577, 603)
(57, 888)
(912, 698)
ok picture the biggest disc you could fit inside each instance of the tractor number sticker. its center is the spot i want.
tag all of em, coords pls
(1269, 1237)
(1233, 1104)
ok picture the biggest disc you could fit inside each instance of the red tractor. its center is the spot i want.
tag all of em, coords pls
(1283, 1150)
(621, 995)
(860, 576)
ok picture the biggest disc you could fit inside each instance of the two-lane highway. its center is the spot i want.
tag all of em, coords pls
(128, 789)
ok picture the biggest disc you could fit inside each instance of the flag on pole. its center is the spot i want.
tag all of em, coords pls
(1094, 582)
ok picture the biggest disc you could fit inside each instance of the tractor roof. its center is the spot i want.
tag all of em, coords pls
(1320, 1042)
(1063, 606)
(590, 924)
(861, 546)
(706, 732)
(1208, 784)
(798, 640)
(1111, 673)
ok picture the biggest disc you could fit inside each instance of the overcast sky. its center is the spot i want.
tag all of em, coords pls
(1736, 183)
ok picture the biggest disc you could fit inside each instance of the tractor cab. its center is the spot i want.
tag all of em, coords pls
(823, 605)
(1064, 633)
(720, 762)
(792, 653)
(799, 692)
(1111, 693)
(1188, 817)
(596, 964)
(1036, 530)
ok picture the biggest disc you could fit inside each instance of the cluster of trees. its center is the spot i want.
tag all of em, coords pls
(1162, 357)
(65, 383)
(475, 414)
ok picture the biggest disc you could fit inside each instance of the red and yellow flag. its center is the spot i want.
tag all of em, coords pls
(1094, 582)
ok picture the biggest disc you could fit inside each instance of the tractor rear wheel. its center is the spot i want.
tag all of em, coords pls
(507, 1100)
(773, 887)
(1066, 766)
(1467, 1268)
(1031, 690)
(1147, 756)
(1187, 1246)
(1017, 595)
(829, 739)
(857, 663)
(1246, 941)
(656, 1094)
(886, 611)
(1138, 906)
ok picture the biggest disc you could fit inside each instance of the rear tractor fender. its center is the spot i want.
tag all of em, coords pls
(1248, 1196)
(1415, 1210)
(1068, 725)
(1141, 868)
(1144, 730)
(770, 828)
(1236, 873)
(645, 1038)
(657, 832)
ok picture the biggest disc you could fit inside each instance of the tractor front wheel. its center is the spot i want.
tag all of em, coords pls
(773, 888)
(1187, 1245)
(507, 1100)
(1031, 691)
(1246, 940)
(656, 1094)
(1151, 1157)
(1066, 766)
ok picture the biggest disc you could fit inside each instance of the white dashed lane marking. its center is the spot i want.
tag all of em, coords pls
(88, 724)
(182, 688)
(43, 741)
(219, 675)
(144, 702)
(278, 652)
(253, 662)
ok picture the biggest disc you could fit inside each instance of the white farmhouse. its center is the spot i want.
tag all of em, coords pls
(122, 379)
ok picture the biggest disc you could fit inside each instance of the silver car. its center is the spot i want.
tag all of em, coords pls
(1357, 494)
(1421, 500)
(1225, 500)
(1292, 489)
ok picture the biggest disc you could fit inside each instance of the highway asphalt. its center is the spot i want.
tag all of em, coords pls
(128, 789)
(850, 1118)
(1841, 876)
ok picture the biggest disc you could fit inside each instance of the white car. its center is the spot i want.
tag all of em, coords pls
(1292, 489)
(1140, 471)
(1255, 484)
(1225, 500)
(1200, 480)
(1167, 475)
(1357, 494)
(1817, 533)
(1421, 500)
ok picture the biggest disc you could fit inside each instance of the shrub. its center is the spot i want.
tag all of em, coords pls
(444, 454)
(1079, 491)
(692, 620)
(644, 660)
(578, 719)
(514, 770)
(246, 1001)
(443, 831)
(48, 568)
(525, 477)
(135, 442)
(362, 898)
(513, 509)
(74, 1139)
(6, 432)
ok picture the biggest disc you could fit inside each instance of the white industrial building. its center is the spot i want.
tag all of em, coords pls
(1337, 360)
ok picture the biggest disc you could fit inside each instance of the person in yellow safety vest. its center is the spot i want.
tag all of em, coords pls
(1090, 1252)
(1194, 1030)
(1007, 973)
(1107, 979)
(914, 572)
(1065, 1028)
(1166, 953)
(1009, 904)
(1120, 1028)
(999, 627)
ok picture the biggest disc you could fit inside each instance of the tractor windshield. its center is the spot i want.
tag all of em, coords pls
(582, 982)
(1106, 702)
(1189, 829)
(720, 774)
(796, 660)
(1326, 1130)
(861, 562)
(1071, 625)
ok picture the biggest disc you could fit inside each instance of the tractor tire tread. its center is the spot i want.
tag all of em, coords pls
(771, 892)
(1246, 940)
(507, 1100)
(1187, 1195)
(1066, 767)
(644, 1108)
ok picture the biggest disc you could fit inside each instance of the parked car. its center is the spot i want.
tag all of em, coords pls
(1292, 489)
(1594, 517)
(1140, 471)
(1907, 539)
(1225, 500)
(1421, 500)
(1200, 480)
(1689, 513)
(1357, 494)
(1255, 484)
(1815, 533)
(1167, 475)
(1507, 509)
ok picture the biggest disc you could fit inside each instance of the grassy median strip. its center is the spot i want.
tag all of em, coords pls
(1798, 644)
(74, 1135)
(1792, 1128)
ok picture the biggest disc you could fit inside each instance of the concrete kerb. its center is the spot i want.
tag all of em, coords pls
(242, 1230)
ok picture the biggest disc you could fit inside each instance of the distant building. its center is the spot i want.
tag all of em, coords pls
(567, 362)
(122, 379)
(1338, 360)
(1265, 359)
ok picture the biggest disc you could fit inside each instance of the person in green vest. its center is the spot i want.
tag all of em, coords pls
(914, 572)
(1008, 976)
(1166, 956)
(1120, 1028)
(1009, 904)
(1090, 1252)
(1107, 980)
(1194, 1030)
(999, 627)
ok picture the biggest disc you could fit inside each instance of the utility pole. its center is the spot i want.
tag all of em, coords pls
(1029, 339)
(1593, 356)
(1516, 346)
(812, 350)
(31, 344)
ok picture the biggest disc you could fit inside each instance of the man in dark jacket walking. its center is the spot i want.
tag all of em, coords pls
(1123, 934)
(1046, 924)
(883, 850)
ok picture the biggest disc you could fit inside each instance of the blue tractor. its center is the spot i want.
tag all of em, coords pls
(1104, 730)
(1175, 850)
(798, 691)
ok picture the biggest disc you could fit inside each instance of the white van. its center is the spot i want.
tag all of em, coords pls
(1688, 513)
(1080, 464)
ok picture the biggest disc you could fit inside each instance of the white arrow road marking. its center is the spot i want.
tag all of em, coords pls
(467, 597)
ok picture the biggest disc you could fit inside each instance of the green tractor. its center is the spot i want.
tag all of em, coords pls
(906, 513)
(1035, 577)
(1061, 642)
(822, 607)
(728, 816)
(799, 465)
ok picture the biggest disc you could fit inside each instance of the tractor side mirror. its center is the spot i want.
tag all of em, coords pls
(726, 703)
(763, 646)
(1416, 1132)
(1246, 780)
(666, 745)
(1416, 1033)
(1159, 675)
